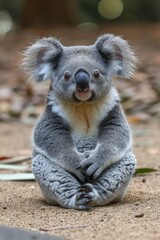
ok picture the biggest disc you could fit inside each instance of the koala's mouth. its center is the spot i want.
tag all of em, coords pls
(83, 95)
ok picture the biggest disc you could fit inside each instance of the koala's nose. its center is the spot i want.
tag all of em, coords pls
(82, 81)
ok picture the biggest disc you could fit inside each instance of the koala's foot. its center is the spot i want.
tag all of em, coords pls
(84, 196)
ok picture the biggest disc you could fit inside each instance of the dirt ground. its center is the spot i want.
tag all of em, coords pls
(137, 217)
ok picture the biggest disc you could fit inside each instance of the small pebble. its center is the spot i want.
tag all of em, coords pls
(139, 215)
(136, 204)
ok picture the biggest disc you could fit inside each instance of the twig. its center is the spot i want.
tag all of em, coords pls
(62, 227)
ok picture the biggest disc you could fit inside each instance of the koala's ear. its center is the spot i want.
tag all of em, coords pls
(117, 52)
(42, 58)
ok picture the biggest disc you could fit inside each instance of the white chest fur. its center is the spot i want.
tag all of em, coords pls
(84, 118)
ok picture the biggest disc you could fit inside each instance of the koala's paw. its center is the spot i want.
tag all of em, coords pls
(91, 169)
(84, 196)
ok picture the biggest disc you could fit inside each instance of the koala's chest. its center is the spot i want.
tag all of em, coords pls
(83, 119)
(84, 124)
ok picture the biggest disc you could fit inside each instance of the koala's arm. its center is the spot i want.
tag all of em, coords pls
(51, 138)
(114, 141)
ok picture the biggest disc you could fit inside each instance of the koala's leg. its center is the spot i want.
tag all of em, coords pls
(111, 185)
(58, 186)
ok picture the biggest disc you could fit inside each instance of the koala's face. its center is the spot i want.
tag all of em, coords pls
(80, 73)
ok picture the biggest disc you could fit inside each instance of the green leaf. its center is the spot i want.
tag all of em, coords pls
(144, 170)
(17, 176)
(14, 167)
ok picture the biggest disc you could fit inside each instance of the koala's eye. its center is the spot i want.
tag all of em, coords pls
(67, 75)
(96, 73)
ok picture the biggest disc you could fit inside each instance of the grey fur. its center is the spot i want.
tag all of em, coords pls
(82, 153)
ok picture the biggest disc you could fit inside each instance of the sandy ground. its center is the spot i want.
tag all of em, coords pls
(137, 217)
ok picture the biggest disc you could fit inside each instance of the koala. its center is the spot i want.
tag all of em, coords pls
(82, 147)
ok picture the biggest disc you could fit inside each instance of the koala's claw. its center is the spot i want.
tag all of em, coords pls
(85, 163)
(84, 195)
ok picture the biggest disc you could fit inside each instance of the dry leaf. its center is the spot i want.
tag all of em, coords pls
(4, 158)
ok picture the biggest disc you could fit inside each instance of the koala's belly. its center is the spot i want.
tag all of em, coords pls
(84, 142)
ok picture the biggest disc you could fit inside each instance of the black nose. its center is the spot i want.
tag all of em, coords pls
(82, 81)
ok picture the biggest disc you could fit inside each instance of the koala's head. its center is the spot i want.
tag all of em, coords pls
(80, 73)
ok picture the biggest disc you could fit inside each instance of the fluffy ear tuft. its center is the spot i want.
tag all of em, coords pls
(42, 58)
(117, 52)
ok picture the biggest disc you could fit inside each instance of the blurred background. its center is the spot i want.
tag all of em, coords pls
(78, 22)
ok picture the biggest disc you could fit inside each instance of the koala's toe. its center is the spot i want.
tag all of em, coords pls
(85, 188)
(84, 195)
